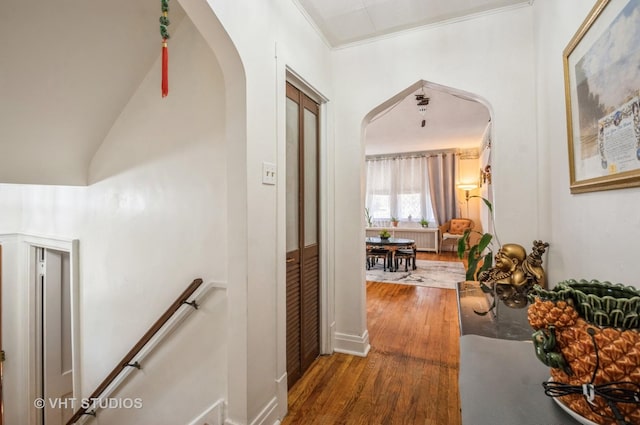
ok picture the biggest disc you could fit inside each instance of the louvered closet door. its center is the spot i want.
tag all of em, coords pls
(303, 294)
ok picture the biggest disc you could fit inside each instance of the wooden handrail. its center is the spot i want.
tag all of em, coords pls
(128, 358)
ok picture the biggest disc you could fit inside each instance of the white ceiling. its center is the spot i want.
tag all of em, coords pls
(452, 121)
(347, 21)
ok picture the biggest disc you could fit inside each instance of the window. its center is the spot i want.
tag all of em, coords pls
(409, 205)
(380, 207)
(398, 187)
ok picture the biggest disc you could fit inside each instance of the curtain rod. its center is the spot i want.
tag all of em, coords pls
(422, 154)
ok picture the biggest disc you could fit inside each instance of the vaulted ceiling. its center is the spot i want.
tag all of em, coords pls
(68, 68)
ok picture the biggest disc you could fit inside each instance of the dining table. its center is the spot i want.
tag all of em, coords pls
(392, 245)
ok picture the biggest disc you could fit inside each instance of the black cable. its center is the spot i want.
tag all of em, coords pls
(611, 392)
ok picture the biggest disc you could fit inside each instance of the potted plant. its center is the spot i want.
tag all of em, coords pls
(394, 221)
(384, 234)
(367, 215)
(424, 222)
(477, 259)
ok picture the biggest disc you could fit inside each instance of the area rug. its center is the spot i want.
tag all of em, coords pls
(434, 274)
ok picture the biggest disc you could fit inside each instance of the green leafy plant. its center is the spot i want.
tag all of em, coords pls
(367, 215)
(424, 222)
(480, 255)
(384, 234)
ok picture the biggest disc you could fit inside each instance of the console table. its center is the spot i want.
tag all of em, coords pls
(503, 322)
(501, 383)
(500, 376)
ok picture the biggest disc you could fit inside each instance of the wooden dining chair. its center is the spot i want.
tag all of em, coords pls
(409, 257)
(373, 254)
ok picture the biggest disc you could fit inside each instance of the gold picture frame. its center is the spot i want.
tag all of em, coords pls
(602, 94)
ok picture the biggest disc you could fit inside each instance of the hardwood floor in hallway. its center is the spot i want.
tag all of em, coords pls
(410, 375)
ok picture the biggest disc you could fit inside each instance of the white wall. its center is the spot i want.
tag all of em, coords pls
(492, 57)
(279, 37)
(157, 211)
(162, 170)
(153, 219)
(155, 215)
(592, 235)
(14, 331)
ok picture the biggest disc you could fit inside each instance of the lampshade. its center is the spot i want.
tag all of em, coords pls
(467, 186)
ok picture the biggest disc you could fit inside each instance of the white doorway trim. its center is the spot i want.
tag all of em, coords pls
(327, 320)
(27, 269)
(285, 73)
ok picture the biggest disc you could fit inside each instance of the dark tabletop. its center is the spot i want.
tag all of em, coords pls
(374, 240)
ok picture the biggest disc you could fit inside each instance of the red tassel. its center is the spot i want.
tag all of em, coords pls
(165, 69)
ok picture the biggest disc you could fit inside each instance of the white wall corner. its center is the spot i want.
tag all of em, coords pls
(213, 415)
(228, 421)
(332, 337)
(282, 392)
(268, 415)
(352, 344)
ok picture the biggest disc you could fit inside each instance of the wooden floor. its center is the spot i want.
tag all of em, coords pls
(410, 375)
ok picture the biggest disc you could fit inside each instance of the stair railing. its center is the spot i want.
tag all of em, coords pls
(132, 359)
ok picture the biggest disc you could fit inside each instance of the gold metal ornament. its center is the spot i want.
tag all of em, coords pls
(515, 273)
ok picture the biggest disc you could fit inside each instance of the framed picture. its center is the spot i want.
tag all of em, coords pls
(602, 92)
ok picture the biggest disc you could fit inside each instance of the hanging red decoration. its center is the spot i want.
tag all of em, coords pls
(165, 69)
(164, 33)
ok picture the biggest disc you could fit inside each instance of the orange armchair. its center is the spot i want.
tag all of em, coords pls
(454, 230)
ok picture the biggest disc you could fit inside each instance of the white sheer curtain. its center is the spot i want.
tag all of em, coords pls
(398, 187)
(379, 183)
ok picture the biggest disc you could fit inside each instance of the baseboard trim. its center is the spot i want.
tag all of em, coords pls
(332, 338)
(352, 344)
(282, 393)
(213, 415)
(268, 415)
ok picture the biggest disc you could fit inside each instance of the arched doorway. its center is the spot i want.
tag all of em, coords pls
(424, 120)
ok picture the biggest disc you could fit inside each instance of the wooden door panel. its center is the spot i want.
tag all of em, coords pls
(303, 305)
(310, 297)
(294, 369)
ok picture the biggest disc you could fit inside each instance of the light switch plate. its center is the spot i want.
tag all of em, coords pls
(268, 173)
